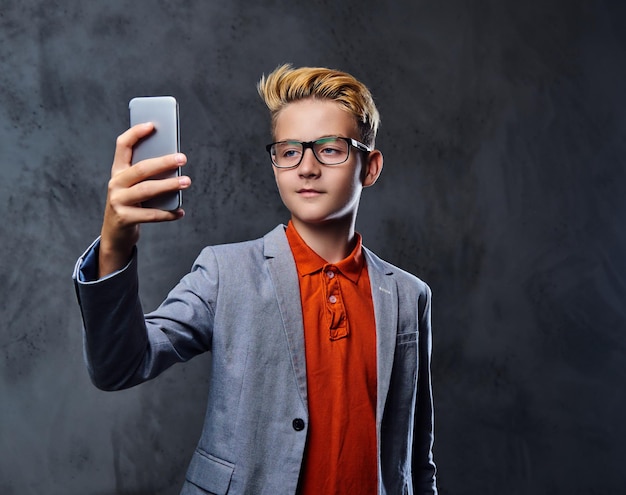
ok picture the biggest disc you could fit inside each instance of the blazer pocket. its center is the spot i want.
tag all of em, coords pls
(406, 338)
(210, 473)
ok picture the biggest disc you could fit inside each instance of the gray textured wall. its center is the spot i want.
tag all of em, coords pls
(504, 139)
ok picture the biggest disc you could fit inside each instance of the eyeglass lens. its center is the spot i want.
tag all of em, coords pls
(329, 151)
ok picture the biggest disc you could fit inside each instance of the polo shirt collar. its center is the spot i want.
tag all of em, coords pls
(309, 262)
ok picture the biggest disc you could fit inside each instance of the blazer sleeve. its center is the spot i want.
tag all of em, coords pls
(123, 347)
(424, 470)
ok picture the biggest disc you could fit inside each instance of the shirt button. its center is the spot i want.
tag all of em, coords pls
(332, 299)
(298, 424)
(330, 274)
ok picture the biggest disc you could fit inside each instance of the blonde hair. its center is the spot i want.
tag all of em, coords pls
(286, 85)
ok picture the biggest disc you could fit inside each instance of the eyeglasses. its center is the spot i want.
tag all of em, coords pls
(328, 151)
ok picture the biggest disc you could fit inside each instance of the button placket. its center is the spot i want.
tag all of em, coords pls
(335, 310)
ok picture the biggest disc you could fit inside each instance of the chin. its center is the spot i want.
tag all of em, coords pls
(319, 221)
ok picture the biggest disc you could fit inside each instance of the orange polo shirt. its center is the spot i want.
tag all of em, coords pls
(340, 346)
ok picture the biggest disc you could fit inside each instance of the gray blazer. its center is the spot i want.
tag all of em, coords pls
(242, 303)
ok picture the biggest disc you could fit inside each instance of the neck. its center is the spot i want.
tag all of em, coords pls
(333, 241)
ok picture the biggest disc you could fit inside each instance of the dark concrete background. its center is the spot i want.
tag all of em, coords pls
(504, 140)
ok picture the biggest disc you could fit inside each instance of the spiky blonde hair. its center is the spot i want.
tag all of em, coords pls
(286, 85)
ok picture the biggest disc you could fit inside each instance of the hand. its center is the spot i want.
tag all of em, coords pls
(128, 188)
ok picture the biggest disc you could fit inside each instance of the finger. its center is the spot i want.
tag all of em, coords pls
(124, 145)
(147, 169)
(148, 189)
(152, 167)
(138, 215)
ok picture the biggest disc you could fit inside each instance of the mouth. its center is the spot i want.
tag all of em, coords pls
(308, 192)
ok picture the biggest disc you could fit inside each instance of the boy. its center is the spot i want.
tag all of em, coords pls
(320, 379)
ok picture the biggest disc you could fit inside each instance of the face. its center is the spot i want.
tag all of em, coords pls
(317, 194)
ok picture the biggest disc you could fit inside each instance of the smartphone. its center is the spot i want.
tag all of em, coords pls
(162, 111)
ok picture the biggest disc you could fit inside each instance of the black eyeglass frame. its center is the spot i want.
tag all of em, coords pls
(309, 144)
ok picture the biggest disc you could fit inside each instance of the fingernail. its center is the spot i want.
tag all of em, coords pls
(184, 181)
(180, 158)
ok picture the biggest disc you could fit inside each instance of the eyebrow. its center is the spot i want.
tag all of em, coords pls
(327, 136)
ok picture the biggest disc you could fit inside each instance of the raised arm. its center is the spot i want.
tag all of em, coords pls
(129, 186)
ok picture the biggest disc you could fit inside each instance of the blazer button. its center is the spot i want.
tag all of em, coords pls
(298, 424)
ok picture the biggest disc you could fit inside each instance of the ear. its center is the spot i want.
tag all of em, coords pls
(373, 166)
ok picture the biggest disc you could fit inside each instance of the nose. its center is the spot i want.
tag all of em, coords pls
(309, 166)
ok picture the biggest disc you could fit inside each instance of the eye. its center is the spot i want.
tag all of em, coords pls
(330, 150)
(289, 153)
(331, 147)
(288, 150)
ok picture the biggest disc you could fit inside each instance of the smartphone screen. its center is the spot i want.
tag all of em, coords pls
(162, 111)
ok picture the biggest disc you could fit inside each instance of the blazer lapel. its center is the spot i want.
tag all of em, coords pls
(282, 269)
(385, 297)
